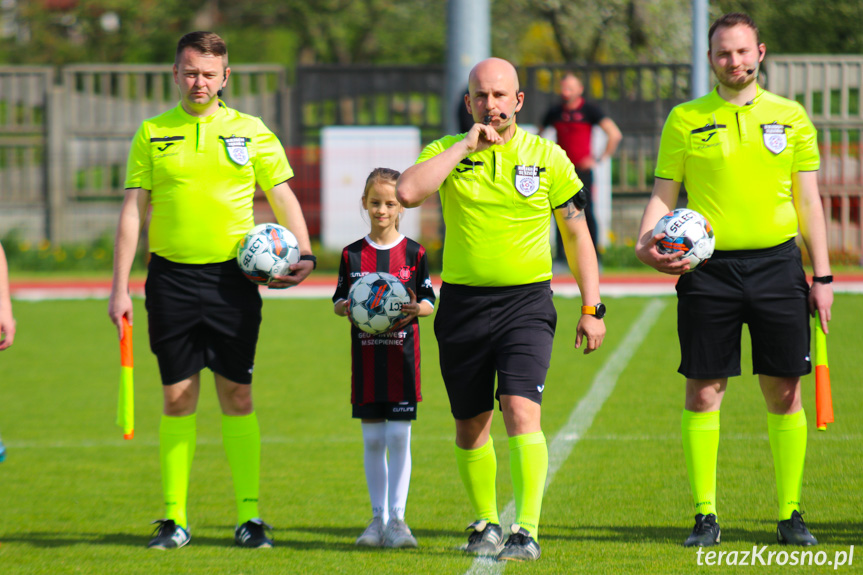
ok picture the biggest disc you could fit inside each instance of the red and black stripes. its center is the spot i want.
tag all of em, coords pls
(386, 367)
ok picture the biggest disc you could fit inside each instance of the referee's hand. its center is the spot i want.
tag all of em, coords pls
(120, 306)
(666, 263)
(591, 331)
(299, 272)
(481, 137)
(7, 329)
(821, 302)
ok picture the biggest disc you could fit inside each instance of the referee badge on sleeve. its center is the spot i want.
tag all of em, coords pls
(237, 150)
(775, 138)
(527, 180)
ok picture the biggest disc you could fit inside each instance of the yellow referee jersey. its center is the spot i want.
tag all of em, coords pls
(201, 173)
(497, 208)
(736, 163)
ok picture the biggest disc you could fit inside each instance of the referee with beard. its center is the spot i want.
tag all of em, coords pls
(196, 166)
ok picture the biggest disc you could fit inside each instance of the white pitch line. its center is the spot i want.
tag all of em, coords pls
(581, 417)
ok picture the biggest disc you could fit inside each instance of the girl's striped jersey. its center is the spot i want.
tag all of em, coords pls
(386, 367)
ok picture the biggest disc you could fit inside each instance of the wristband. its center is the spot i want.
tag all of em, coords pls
(822, 279)
(310, 258)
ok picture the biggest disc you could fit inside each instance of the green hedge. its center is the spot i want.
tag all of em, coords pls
(24, 255)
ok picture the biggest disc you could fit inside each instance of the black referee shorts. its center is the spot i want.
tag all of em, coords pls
(765, 289)
(202, 316)
(483, 331)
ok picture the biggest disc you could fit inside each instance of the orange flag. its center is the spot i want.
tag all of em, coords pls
(823, 397)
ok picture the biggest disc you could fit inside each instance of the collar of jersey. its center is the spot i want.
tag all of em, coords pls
(386, 247)
(200, 119)
(513, 142)
(734, 107)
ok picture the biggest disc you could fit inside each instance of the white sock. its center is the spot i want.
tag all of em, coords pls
(399, 446)
(375, 459)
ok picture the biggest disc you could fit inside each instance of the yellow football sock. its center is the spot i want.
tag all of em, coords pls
(478, 470)
(701, 447)
(176, 451)
(788, 444)
(242, 438)
(528, 463)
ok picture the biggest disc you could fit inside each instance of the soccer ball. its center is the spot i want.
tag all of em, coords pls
(686, 231)
(267, 250)
(375, 302)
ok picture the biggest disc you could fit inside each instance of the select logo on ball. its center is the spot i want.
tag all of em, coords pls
(267, 250)
(686, 231)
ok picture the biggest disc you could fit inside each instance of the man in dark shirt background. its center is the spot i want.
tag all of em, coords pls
(573, 119)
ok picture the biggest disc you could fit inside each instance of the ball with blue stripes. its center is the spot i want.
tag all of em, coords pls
(686, 231)
(267, 250)
(375, 302)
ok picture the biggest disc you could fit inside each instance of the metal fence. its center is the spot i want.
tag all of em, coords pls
(334, 95)
(638, 97)
(64, 134)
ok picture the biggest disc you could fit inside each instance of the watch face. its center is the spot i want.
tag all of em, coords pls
(600, 310)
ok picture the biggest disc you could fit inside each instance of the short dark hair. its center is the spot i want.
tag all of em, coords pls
(729, 21)
(203, 42)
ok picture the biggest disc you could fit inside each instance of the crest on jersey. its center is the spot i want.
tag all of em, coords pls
(404, 273)
(527, 180)
(237, 150)
(775, 138)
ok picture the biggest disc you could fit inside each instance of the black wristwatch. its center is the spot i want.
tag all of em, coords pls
(597, 310)
(310, 258)
(822, 279)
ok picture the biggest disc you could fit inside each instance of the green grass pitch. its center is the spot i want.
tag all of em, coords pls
(76, 498)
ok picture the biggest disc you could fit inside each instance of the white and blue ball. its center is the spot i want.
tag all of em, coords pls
(267, 250)
(375, 302)
(686, 231)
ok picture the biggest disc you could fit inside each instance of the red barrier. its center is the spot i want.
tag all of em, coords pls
(306, 184)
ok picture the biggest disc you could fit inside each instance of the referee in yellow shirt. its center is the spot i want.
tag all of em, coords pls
(749, 161)
(499, 187)
(196, 166)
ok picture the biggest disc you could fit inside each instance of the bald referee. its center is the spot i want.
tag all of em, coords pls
(749, 161)
(196, 167)
(499, 187)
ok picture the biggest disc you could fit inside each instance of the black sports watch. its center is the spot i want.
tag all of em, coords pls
(310, 258)
(597, 310)
(822, 279)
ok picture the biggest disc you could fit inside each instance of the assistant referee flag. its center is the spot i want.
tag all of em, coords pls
(823, 397)
(126, 396)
